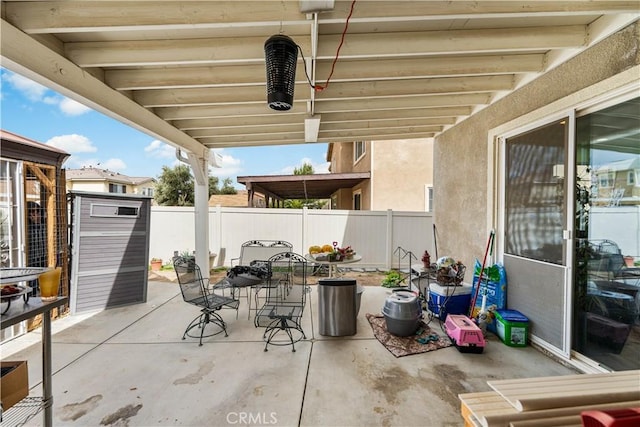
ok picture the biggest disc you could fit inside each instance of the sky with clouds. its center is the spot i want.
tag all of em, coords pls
(36, 112)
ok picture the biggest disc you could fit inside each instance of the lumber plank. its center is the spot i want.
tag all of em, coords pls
(566, 421)
(531, 394)
(476, 406)
(503, 420)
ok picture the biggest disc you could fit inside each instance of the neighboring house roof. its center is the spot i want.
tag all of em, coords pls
(233, 200)
(96, 174)
(139, 180)
(316, 186)
(621, 165)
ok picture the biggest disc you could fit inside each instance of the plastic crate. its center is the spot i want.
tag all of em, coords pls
(512, 327)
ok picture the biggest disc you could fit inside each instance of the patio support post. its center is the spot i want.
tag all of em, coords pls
(199, 165)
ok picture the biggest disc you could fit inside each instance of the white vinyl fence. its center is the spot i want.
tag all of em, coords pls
(375, 235)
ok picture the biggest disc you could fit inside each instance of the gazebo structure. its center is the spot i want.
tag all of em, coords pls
(34, 189)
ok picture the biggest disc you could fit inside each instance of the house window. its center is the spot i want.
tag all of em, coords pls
(117, 188)
(147, 191)
(358, 150)
(631, 178)
(428, 198)
(606, 180)
(357, 201)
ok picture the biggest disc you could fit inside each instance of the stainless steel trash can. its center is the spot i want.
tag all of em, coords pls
(337, 307)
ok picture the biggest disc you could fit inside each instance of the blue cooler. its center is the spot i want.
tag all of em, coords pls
(445, 300)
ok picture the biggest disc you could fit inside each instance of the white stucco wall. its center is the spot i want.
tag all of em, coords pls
(464, 198)
(399, 172)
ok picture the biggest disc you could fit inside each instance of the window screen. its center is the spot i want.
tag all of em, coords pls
(114, 210)
(535, 193)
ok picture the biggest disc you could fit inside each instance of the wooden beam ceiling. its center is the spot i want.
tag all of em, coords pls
(193, 75)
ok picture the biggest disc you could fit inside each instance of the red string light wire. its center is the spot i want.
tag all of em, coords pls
(317, 87)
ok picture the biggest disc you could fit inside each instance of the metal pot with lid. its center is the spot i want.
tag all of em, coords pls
(402, 313)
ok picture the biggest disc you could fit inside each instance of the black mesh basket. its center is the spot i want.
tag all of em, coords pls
(451, 276)
(281, 56)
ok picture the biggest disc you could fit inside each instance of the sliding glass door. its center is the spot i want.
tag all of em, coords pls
(606, 287)
(535, 219)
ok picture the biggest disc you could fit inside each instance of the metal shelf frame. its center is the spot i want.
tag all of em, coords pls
(30, 406)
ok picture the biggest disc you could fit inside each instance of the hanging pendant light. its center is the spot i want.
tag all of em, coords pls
(281, 56)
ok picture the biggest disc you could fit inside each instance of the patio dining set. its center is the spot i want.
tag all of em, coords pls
(269, 272)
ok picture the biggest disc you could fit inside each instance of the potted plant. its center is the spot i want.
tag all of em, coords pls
(156, 264)
(392, 279)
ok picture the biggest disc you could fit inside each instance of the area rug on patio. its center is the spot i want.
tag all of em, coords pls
(405, 346)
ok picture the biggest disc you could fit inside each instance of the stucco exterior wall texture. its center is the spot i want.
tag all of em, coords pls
(400, 171)
(461, 168)
(342, 157)
(342, 162)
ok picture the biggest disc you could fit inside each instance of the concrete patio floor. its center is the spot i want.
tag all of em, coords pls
(129, 366)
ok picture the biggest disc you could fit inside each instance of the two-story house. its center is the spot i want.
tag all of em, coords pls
(105, 181)
(401, 174)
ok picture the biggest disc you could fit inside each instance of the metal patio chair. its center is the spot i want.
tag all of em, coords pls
(285, 300)
(254, 253)
(195, 290)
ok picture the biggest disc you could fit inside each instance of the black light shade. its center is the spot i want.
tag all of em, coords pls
(281, 56)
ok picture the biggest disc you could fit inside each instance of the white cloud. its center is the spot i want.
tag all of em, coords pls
(159, 149)
(229, 165)
(72, 143)
(33, 91)
(51, 100)
(76, 162)
(114, 164)
(317, 167)
(73, 108)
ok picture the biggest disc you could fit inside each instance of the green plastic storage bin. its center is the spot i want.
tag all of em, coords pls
(512, 327)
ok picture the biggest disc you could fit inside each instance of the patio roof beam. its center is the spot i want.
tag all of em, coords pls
(223, 51)
(328, 130)
(433, 102)
(253, 74)
(380, 133)
(445, 85)
(242, 122)
(298, 138)
(36, 17)
(186, 77)
(435, 43)
(275, 142)
(22, 54)
(249, 50)
(438, 10)
(223, 111)
(233, 122)
(67, 17)
(340, 90)
(436, 125)
(246, 130)
(292, 137)
(425, 114)
(208, 96)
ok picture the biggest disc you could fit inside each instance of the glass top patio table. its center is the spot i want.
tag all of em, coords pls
(20, 274)
(333, 265)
